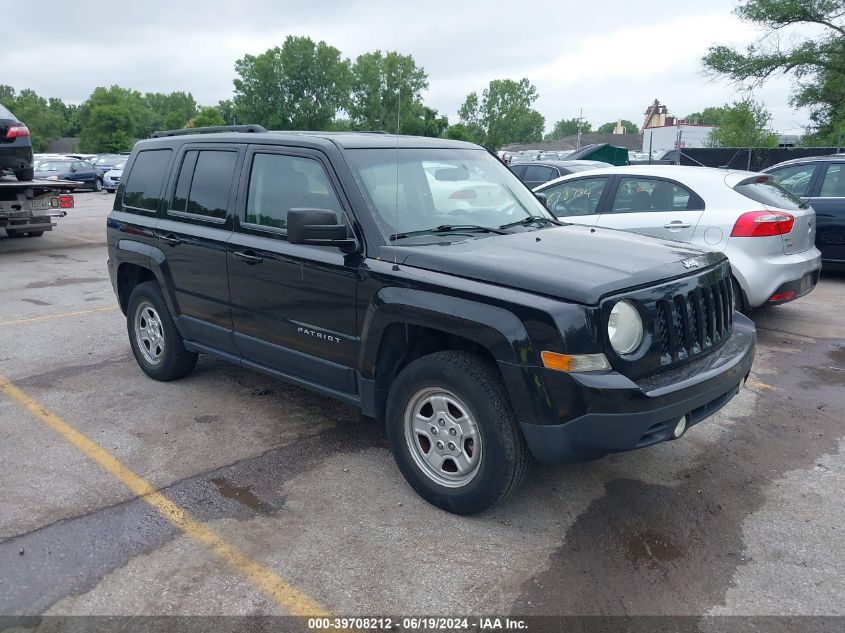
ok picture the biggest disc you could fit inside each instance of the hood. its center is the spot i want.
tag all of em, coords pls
(577, 263)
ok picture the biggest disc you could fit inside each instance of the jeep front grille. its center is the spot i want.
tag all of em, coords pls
(693, 322)
(687, 318)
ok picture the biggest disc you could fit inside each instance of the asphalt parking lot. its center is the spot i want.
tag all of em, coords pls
(274, 500)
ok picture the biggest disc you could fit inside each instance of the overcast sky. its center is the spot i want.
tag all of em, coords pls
(610, 57)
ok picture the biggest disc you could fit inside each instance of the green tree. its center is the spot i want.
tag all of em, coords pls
(169, 111)
(300, 86)
(607, 128)
(817, 63)
(112, 118)
(460, 132)
(708, 116)
(743, 124)
(227, 110)
(387, 87)
(503, 114)
(568, 127)
(207, 116)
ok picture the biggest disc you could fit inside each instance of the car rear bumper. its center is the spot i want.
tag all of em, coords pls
(15, 156)
(761, 276)
(618, 414)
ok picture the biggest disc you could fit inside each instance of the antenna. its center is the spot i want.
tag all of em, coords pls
(396, 207)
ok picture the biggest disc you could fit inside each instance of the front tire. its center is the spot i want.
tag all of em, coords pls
(156, 343)
(453, 432)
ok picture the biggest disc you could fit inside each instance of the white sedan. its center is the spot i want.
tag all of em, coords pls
(767, 233)
(111, 179)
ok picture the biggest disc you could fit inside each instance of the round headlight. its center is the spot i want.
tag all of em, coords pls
(624, 328)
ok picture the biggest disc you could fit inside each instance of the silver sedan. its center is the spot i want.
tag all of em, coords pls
(767, 233)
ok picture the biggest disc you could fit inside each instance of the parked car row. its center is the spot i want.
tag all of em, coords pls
(93, 171)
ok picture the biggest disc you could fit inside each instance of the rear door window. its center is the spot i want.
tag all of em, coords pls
(796, 180)
(653, 194)
(210, 174)
(833, 184)
(146, 180)
(519, 171)
(538, 173)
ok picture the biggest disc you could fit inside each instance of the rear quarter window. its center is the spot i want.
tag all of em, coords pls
(771, 195)
(143, 186)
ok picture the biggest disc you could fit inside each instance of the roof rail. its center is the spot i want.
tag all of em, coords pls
(208, 130)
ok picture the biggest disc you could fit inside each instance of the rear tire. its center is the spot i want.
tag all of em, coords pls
(98, 185)
(156, 343)
(455, 405)
(14, 233)
(25, 174)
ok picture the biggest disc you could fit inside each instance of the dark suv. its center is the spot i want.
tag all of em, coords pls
(15, 146)
(419, 280)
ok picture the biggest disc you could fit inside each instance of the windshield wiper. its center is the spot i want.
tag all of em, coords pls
(531, 219)
(449, 228)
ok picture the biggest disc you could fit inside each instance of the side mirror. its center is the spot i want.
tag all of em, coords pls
(542, 198)
(318, 227)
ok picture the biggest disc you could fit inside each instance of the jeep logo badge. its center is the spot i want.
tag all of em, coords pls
(691, 263)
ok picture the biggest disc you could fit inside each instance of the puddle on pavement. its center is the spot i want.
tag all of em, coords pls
(241, 494)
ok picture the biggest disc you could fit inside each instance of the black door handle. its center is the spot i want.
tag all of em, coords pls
(248, 256)
(170, 239)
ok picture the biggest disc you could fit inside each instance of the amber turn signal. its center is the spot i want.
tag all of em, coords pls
(574, 362)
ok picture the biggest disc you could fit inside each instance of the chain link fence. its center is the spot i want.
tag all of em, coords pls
(750, 158)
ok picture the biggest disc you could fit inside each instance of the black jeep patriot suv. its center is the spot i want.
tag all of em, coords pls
(419, 280)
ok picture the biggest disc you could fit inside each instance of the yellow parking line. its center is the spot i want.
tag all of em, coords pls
(273, 585)
(49, 317)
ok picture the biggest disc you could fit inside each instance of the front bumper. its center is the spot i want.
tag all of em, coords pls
(613, 413)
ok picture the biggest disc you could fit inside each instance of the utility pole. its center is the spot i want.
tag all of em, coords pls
(580, 118)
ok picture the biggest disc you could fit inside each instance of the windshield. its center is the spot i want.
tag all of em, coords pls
(48, 165)
(431, 188)
(120, 165)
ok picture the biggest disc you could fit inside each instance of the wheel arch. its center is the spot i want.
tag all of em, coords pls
(406, 324)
